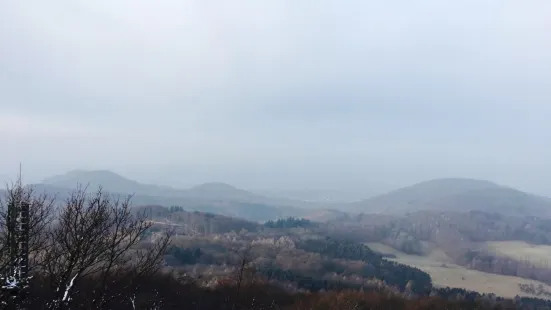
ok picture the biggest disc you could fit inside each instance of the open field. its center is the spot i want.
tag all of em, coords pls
(539, 255)
(444, 273)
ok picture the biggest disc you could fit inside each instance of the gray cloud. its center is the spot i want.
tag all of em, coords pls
(266, 93)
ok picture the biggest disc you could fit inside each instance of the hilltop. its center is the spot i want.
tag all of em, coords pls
(106, 179)
(114, 182)
(215, 197)
(456, 195)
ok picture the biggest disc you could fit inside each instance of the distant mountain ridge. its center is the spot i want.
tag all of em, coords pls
(105, 179)
(215, 197)
(455, 194)
(449, 194)
(114, 182)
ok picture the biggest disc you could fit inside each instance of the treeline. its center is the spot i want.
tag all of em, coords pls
(194, 222)
(472, 226)
(304, 282)
(391, 273)
(490, 300)
(164, 291)
(535, 290)
(289, 222)
(189, 256)
(489, 262)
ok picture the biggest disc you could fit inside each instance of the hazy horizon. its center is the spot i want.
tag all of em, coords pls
(278, 94)
(352, 193)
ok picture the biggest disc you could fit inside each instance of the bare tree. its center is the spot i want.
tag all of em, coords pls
(245, 259)
(97, 236)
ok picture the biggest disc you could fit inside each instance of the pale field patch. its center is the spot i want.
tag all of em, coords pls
(446, 274)
(539, 255)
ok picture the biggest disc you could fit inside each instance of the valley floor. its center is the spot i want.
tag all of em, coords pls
(444, 273)
(538, 255)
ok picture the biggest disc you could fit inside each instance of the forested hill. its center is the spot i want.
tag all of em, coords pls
(456, 195)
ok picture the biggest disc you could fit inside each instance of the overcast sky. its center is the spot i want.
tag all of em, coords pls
(278, 93)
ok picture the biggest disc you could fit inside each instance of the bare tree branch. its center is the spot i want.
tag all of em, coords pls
(96, 236)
